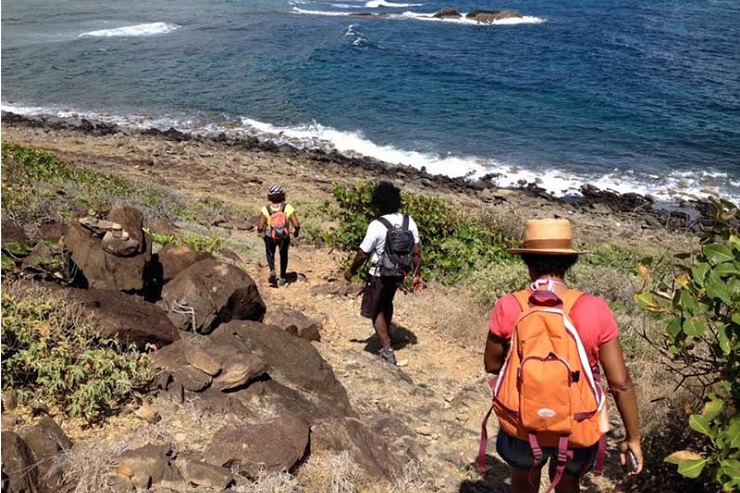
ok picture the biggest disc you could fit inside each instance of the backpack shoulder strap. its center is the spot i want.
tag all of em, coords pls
(569, 299)
(523, 298)
(405, 223)
(385, 222)
(269, 209)
(282, 207)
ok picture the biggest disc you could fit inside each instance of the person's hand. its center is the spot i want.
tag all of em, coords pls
(347, 275)
(417, 284)
(634, 447)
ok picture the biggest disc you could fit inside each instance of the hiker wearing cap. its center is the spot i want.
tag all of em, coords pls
(393, 246)
(275, 221)
(545, 345)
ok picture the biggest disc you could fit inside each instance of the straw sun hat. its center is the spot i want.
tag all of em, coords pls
(547, 237)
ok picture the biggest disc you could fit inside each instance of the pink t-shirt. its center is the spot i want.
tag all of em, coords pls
(591, 316)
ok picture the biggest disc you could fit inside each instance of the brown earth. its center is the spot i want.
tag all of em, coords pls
(440, 388)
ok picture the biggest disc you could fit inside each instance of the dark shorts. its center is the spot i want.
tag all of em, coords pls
(377, 296)
(517, 453)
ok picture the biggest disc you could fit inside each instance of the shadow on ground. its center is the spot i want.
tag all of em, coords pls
(496, 479)
(400, 338)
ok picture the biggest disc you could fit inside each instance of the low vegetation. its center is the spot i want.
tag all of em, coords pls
(701, 344)
(687, 339)
(455, 244)
(53, 357)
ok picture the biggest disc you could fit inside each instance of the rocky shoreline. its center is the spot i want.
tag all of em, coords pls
(685, 215)
(423, 415)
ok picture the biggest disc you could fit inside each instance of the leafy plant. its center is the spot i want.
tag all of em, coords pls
(210, 243)
(453, 244)
(702, 341)
(52, 356)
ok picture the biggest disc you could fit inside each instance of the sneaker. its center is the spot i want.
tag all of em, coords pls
(273, 278)
(282, 281)
(388, 355)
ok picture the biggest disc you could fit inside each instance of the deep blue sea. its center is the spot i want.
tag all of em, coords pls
(633, 96)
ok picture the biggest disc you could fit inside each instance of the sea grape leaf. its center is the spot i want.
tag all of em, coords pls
(700, 424)
(717, 253)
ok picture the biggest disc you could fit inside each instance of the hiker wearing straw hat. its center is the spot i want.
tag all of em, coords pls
(275, 221)
(545, 345)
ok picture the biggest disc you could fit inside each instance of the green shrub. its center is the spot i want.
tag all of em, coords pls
(453, 245)
(210, 243)
(313, 216)
(702, 342)
(52, 356)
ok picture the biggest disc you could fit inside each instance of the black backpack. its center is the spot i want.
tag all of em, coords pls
(396, 258)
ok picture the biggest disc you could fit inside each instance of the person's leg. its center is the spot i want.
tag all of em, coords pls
(270, 253)
(518, 455)
(581, 462)
(284, 245)
(381, 328)
(525, 480)
(569, 483)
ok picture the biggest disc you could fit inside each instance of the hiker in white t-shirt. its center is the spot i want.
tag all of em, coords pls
(389, 266)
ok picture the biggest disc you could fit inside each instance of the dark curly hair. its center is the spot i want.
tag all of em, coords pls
(386, 198)
(276, 198)
(542, 265)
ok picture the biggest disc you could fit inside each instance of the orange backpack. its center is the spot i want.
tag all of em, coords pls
(279, 228)
(546, 392)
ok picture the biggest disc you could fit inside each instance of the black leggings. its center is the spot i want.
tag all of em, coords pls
(270, 247)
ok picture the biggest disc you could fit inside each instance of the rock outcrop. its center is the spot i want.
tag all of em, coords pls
(110, 253)
(209, 293)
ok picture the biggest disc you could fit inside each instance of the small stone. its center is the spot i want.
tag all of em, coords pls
(425, 430)
(148, 414)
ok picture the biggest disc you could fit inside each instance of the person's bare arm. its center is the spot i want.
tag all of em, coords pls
(620, 385)
(495, 353)
(359, 259)
(296, 224)
(262, 224)
(416, 283)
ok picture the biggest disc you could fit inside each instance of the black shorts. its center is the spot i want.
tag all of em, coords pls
(517, 453)
(377, 297)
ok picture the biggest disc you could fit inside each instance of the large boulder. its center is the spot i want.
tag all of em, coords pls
(125, 317)
(45, 441)
(20, 474)
(490, 16)
(197, 362)
(447, 13)
(176, 258)
(294, 322)
(292, 361)
(110, 254)
(267, 447)
(147, 466)
(209, 293)
(369, 450)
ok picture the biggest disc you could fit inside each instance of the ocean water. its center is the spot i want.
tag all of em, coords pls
(632, 96)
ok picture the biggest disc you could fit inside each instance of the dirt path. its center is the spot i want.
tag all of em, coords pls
(439, 390)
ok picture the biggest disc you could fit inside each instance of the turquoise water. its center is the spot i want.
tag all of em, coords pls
(632, 96)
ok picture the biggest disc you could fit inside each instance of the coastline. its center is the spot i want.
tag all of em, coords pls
(602, 213)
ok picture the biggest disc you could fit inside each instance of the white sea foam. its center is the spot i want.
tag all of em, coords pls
(321, 12)
(428, 17)
(668, 188)
(374, 4)
(149, 29)
(464, 20)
